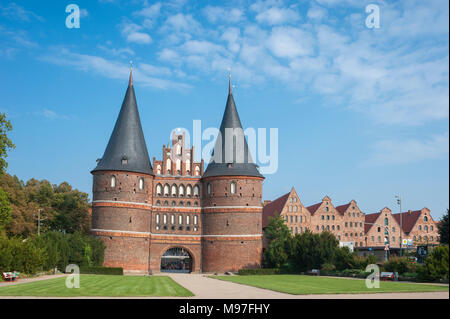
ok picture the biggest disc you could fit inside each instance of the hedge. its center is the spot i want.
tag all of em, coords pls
(98, 270)
(258, 271)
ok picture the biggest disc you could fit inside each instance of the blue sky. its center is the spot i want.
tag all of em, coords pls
(362, 113)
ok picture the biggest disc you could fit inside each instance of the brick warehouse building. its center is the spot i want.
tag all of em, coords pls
(364, 232)
(170, 216)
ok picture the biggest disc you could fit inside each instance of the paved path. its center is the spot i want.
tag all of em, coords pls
(24, 280)
(209, 288)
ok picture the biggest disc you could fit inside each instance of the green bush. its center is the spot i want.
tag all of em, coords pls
(396, 264)
(98, 270)
(258, 271)
(327, 267)
(436, 265)
(50, 250)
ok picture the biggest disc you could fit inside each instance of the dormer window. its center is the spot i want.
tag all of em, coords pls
(124, 160)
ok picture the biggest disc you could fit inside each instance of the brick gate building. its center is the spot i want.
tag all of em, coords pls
(170, 216)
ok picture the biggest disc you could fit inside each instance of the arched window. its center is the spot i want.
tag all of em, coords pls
(197, 170)
(158, 189)
(174, 190)
(113, 181)
(164, 219)
(158, 203)
(379, 239)
(233, 188)
(178, 165)
(196, 190)
(295, 208)
(181, 190)
(208, 188)
(168, 165)
(166, 190)
(188, 219)
(166, 203)
(141, 183)
(195, 219)
(188, 165)
(323, 228)
(425, 219)
(420, 227)
(178, 149)
(189, 190)
(174, 203)
(157, 218)
(172, 219)
(290, 208)
(158, 169)
(426, 228)
(386, 221)
(180, 219)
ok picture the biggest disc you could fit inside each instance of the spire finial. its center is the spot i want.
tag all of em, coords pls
(130, 83)
(229, 82)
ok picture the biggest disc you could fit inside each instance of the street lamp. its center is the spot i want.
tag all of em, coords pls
(399, 202)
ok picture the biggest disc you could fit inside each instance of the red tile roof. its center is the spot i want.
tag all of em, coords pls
(409, 219)
(313, 208)
(341, 209)
(273, 209)
(370, 219)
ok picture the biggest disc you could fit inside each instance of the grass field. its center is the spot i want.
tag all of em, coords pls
(303, 285)
(100, 285)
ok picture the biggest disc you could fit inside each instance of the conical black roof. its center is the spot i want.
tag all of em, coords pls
(126, 150)
(236, 159)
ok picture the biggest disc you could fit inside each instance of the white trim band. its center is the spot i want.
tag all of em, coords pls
(175, 235)
(122, 202)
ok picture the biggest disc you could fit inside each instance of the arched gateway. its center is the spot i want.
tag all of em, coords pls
(176, 259)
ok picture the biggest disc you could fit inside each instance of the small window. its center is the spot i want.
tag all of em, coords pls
(141, 183)
(196, 190)
(157, 218)
(195, 220)
(386, 221)
(188, 220)
(425, 219)
(172, 219)
(233, 188)
(113, 181)
(164, 219)
(208, 188)
(180, 219)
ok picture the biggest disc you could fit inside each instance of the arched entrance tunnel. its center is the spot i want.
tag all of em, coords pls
(177, 260)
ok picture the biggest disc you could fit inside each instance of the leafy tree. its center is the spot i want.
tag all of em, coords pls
(443, 229)
(5, 143)
(436, 265)
(5, 210)
(279, 237)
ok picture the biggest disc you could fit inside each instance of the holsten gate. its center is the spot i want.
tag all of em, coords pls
(170, 216)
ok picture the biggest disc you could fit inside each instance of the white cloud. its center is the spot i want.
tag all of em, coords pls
(150, 11)
(131, 31)
(316, 13)
(288, 42)
(273, 16)
(15, 11)
(49, 114)
(220, 14)
(110, 69)
(410, 150)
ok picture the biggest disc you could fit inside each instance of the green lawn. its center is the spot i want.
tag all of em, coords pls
(100, 285)
(303, 285)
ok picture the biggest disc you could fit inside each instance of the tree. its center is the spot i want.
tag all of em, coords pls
(5, 143)
(436, 265)
(279, 237)
(443, 229)
(5, 210)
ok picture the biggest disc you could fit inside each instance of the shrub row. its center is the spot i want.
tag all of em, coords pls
(48, 251)
(259, 271)
(99, 270)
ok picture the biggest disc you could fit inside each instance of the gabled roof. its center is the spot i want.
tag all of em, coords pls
(273, 209)
(369, 220)
(127, 150)
(233, 159)
(313, 208)
(343, 208)
(408, 219)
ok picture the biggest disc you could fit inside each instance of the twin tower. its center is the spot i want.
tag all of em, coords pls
(175, 218)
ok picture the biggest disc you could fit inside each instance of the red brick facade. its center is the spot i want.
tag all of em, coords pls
(140, 217)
